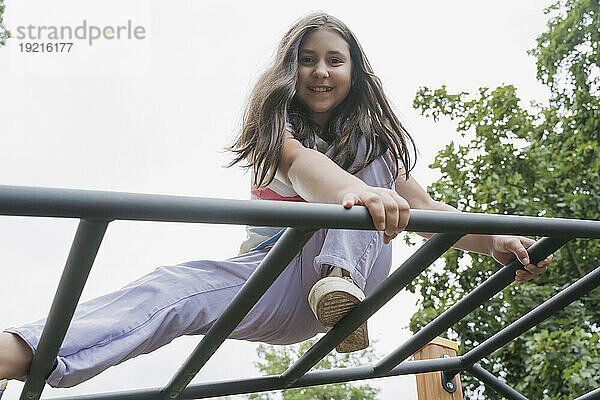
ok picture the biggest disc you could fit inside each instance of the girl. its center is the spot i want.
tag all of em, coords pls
(318, 128)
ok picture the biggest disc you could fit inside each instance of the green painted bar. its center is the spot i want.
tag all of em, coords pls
(97, 208)
(489, 379)
(90, 204)
(77, 269)
(502, 278)
(409, 270)
(286, 248)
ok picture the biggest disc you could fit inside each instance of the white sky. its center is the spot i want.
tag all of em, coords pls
(152, 116)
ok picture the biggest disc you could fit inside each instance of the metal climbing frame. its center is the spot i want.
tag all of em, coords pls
(97, 209)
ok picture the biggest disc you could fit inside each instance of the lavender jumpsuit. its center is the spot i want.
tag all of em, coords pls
(186, 299)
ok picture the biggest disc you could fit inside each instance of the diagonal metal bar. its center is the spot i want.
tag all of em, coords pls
(593, 395)
(77, 269)
(408, 271)
(534, 317)
(286, 248)
(502, 278)
(274, 382)
(489, 379)
(93, 204)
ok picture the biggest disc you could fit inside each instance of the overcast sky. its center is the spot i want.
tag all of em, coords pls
(152, 115)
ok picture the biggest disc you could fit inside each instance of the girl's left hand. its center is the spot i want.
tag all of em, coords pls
(505, 248)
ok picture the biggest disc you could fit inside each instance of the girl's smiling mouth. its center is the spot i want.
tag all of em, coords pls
(320, 89)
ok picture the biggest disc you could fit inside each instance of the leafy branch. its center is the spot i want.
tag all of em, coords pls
(4, 33)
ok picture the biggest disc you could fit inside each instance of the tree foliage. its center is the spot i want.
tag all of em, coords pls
(4, 34)
(275, 360)
(539, 160)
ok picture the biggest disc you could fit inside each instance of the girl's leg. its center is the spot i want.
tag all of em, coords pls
(360, 254)
(356, 251)
(172, 301)
(142, 316)
(15, 356)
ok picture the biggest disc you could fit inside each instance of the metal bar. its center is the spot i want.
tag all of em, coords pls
(96, 208)
(77, 269)
(69, 203)
(286, 248)
(408, 271)
(274, 382)
(502, 278)
(489, 379)
(593, 395)
(534, 317)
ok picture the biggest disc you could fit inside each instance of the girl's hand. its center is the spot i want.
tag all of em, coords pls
(505, 248)
(390, 212)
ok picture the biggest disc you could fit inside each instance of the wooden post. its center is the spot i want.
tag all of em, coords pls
(429, 385)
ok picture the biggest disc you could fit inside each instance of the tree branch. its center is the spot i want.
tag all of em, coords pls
(574, 260)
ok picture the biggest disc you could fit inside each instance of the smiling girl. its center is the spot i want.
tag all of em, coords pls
(318, 128)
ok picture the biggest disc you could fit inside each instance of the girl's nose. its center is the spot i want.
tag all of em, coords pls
(321, 70)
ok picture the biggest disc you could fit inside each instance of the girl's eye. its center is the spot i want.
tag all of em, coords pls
(336, 61)
(305, 59)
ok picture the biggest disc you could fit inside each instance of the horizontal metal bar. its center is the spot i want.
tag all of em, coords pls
(278, 258)
(488, 289)
(593, 395)
(267, 383)
(77, 269)
(90, 204)
(489, 379)
(314, 378)
(409, 270)
(534, 317)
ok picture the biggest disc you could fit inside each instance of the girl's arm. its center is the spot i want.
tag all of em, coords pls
(502, 248)
(318, 179)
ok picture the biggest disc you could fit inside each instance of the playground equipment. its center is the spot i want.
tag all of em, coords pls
(96, 209)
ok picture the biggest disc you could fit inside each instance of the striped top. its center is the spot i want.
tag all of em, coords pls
(259, 237)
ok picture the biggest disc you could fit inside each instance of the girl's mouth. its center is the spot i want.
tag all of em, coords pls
(320, 89)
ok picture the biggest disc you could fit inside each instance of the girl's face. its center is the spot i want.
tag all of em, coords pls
(324, 74)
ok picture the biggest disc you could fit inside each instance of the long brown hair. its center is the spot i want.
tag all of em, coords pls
(364, 112)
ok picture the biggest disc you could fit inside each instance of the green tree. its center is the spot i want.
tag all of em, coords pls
(4, 34)
(540, 160)
(275, 360)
